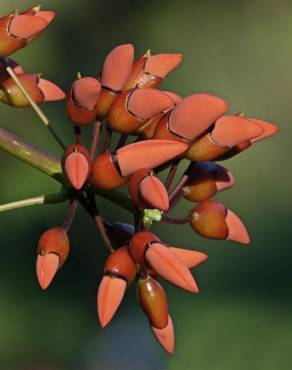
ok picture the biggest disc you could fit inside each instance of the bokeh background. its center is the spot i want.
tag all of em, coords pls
(242, 318)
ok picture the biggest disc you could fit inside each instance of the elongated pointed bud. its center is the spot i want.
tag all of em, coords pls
(227, 132)
(17, 30)
(82, 100)
(149, 71)
(205, 180)
(212, 220)
(40, 90)
(153, 301)
(190, 258)
(76, 165)
(120, 271)
(165, 336)
(192, 116)
(105, 172)
(53, 250)
(148, 154)
(116, 70)
(170, 267)
(147, 191)
(133, 108)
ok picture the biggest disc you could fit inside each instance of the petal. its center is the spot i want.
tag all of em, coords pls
(51, 91)
(76, 169)
(236, 228)
(26, 26)
(162, 64)
(154, 193)
(223, 178)
(48, 16)
(189, 257)
(195, 114)
(165, 336)
(46, 267)
(269, 129)
(86, 91)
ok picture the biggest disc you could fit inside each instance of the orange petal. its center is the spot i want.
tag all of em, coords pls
(51, 91)
(117, 67)
(154, 193)
(223, 178)
(170, 267)
(190, 258)
(148, 154)
(165, 336)
(86, 91)
(269, 129)
(110, 294)
(232, 130)
(195, 114)
(236, 228)
(46, 267)
(146, 103)
(26, 26)
(162, 64)
(48, 16)
(176, 98)
(77, 169)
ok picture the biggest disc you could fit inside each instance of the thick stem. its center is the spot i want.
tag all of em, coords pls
(171, 174)
(176, 221)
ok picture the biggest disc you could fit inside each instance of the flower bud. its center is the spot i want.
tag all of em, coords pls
(8, 62)
(212, 220)
(82, 99)
(152, 299)
(76, 165)
(53, 250)
(116, 70)
(18, 30)
(149, 71)
(205, 180)
(39, 89)
(147, 191)
(133, 108)
(120, 272)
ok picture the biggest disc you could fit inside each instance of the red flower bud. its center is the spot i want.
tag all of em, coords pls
(205, 180)
(147, 191)
(153, 301)
(17, 30)
(120, 272)
(211, 219)
(53, 250)
(39, 89)
(76, 165)
(133, 108)
(116, 70)
(149, 71)
(82, 100)
(165, 336)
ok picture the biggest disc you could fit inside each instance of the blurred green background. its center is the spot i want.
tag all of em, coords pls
(242, 318)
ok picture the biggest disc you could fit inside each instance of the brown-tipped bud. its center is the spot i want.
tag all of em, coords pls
(53, 250)
(227, 132)
(119, 233)
(149, 71)
(39, 89)
(147, 154)
(120, 271)
(152, 299)
(17, 30)
(147, 191)
(105, 174)
(139, 244)
(76, 165)
(133, 108)
(116, 70)
(213, 220)
(82, 99)
(205, 180)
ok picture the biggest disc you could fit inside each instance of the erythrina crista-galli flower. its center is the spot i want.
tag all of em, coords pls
(157, 130)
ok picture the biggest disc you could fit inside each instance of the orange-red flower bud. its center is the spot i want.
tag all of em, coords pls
(76, 165)
(39, 89)
(133, 108)
(17, 30)
(205, 180)
(147, 191)
(139, 244)
(53, 250)
(82, 100)
(213, 220)
(152, 298)
(149, 71)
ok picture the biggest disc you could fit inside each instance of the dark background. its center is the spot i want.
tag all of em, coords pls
(239, 50)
